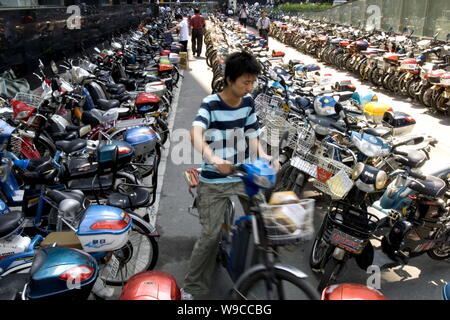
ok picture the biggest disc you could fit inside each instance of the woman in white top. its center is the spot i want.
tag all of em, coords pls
(183, 31)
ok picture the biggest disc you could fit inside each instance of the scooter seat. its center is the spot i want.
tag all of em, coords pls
(378, 131)
(69, 146)
(59, 196)
(114, 86)
(134, 199)
(9, 222)
(104, 104)
(12, 285)
(116, 91)
(431, 186)
(412, 159)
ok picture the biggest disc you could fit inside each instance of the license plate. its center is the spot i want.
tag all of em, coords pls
(346, 241)
(409, 67)
(114, 264)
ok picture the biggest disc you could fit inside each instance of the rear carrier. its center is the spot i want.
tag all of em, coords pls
(104, 228)
(147, 102)
(143, 140)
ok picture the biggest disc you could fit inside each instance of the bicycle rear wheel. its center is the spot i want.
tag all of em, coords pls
(287, 286)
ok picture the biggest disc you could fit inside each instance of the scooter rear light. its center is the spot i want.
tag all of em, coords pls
(410, 120)
(78, 273)
(351, 86)
(124, 150)
(110, 225)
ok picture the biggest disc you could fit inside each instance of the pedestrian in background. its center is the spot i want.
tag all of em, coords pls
(197, 24)
(243, 15)
(183, 30)
(263, 26)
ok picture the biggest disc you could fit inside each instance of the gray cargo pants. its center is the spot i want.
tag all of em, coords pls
(211, 204)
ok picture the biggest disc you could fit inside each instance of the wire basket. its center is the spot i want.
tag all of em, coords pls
(323, 169)
(273, 129)
(266, 105)
(289, 223)
(29, 99)
(303, 139)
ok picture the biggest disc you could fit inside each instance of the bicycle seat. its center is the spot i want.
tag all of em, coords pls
(59, 196)
(9, 222)
(12, 285)
(107, 104)
(431, 186)
(133, 199)
(69, 146)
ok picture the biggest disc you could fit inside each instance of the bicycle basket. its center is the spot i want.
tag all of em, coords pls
(303, 138)
(29, 99)
(322, 169)
(266, 105)
(288, 223)
(273, 129)
(349, 226)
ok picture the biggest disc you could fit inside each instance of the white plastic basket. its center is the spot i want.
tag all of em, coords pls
(273, 129)
(322, 169)
(29, 99)
(288, 223)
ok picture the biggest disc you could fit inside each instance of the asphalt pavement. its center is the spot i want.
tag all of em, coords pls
(421, 279)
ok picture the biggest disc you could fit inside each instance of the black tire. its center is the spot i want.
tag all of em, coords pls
(441, 105)
(427, 97)
(331, 269)
(439, 254)
(162, 129)
(137, 229)
(316, 257)
(243, 292)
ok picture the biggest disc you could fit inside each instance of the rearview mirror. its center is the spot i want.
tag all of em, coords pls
(54, 67)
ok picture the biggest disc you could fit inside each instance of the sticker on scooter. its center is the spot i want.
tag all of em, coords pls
(97, 243)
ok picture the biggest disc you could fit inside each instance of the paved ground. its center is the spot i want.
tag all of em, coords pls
(422, 279)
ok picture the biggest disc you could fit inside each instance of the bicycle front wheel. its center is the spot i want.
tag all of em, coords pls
(282, 285)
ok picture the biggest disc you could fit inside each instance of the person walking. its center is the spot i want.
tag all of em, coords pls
(263, 26)
(243, 15)
(197, 24)
(225, 131)
(183, 31)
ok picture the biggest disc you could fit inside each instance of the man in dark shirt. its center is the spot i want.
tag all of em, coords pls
(197, 25)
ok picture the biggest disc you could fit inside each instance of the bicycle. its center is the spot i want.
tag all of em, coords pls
(249, 245)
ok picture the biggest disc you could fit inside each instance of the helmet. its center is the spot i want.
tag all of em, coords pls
(151, 285)
(260, 175)
(363, 97)
(351, 291)
(324, 106)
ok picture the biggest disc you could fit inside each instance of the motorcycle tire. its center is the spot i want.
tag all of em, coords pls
(332, 269)
(435, 254)
(441, 105)
(412, 86)
(316, 261)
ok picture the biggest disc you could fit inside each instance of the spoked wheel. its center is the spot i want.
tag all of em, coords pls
(277, 284)
(139, 254)
(441, 104)
(319, 251)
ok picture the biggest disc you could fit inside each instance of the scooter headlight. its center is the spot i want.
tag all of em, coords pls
(380, 180)
(359, 168)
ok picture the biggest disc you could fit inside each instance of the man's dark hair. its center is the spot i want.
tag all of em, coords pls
(196, 10)
(240, 63)
(178, 16)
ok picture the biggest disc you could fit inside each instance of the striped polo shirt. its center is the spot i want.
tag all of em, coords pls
(227, 132)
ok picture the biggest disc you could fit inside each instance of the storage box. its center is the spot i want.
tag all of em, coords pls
(400, 122)
(147, 102)
(114, 154)
(143, 140)
(174, 58)
(184, 61)
(104, 228)
(374, 111)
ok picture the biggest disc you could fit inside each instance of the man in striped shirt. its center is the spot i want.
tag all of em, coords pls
(225, 131)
